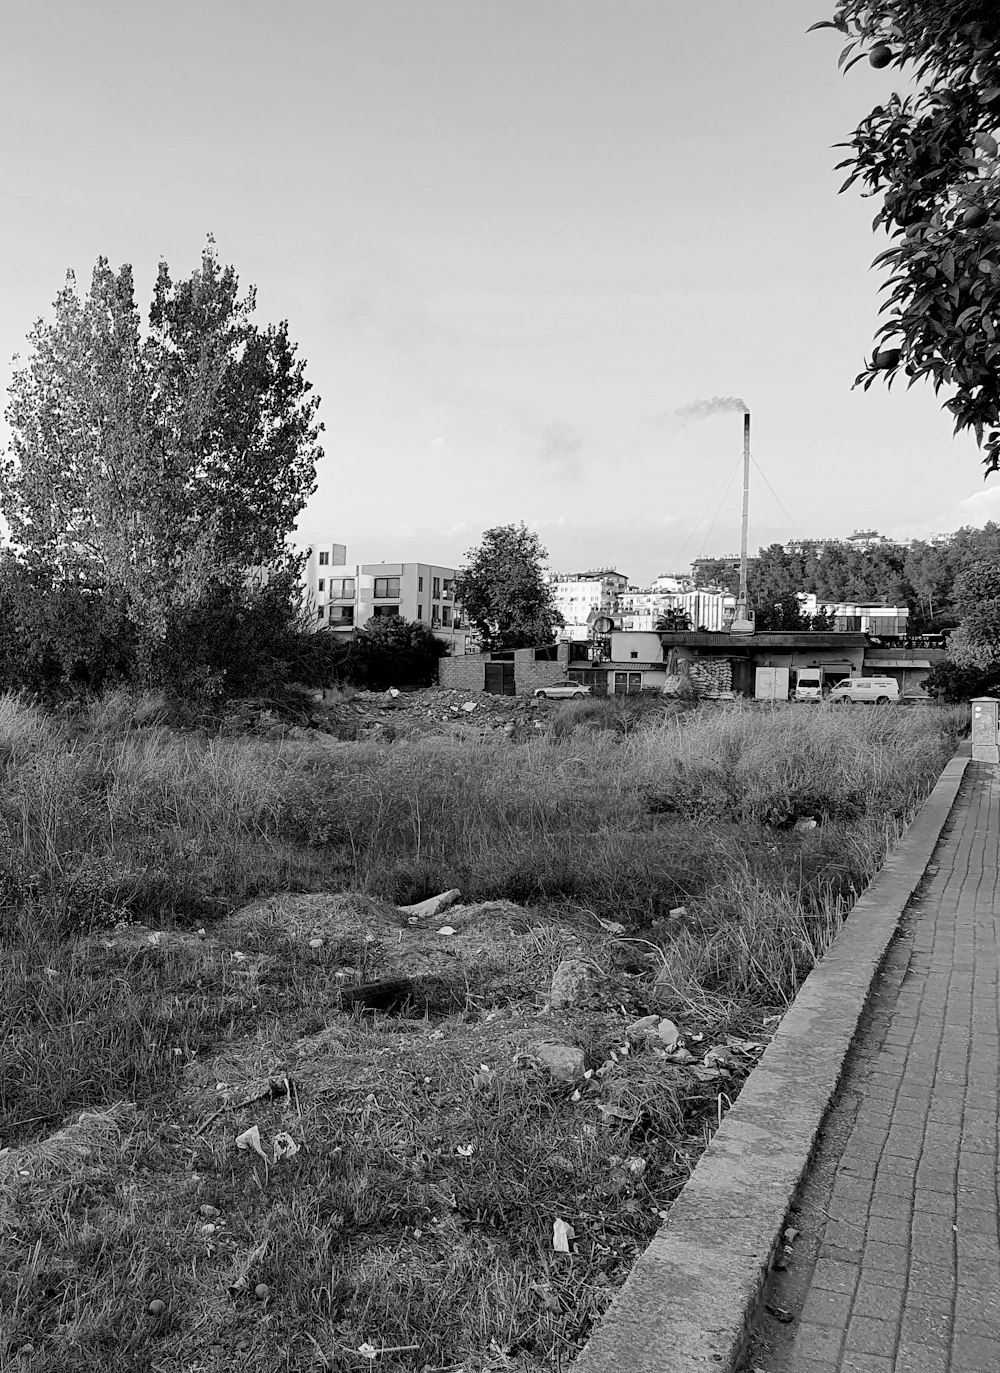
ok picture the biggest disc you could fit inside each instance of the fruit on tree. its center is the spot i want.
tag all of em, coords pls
(880, 56)
(886, 358)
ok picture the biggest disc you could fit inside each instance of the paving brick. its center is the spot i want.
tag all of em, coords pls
(881, 1257)
(876, 1299)
(852, 1362)
(911, 1145)
(975, 1353)
(926, 1320)
(823, 1307)
(919, 1359)
(977, 1312)
(871, 1335)
(889, 1230)
(817, 1342)
(834, 1275)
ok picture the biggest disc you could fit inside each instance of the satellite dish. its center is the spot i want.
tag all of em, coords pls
(603, 624)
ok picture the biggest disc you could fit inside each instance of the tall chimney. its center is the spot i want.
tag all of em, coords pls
(743, 619)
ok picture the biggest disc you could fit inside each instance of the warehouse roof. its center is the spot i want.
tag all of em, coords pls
(720, 639)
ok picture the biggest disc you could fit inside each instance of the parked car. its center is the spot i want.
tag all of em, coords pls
(563, 688)
(808, 685)
(878, 690)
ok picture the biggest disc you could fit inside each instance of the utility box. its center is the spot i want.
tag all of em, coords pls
(771, 684)
(985, 730)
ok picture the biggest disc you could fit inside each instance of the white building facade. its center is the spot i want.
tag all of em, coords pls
(580, 596)
(343, 596)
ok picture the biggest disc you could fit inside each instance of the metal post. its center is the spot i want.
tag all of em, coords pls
(744, 595)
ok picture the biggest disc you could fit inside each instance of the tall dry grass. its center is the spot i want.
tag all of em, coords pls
(384, 1230)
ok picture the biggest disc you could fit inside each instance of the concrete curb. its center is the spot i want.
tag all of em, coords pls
(688, 1302)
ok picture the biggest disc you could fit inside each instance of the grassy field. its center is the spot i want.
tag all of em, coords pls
(179, 913)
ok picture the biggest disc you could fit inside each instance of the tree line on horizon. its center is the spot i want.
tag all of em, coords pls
(925, 576)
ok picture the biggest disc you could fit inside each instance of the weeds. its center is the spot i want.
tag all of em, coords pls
(435, 1153)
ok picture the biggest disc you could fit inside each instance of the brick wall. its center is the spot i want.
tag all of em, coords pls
(528, 674)
(468, 672)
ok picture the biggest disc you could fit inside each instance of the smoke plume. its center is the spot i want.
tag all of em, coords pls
(716, 405)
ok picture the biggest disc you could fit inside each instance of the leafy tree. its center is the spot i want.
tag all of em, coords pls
(784, 614)
(933, 154)
(155, 468)
(713, 572)
(975, 643)
(502, 590)
(673, 620)
(949, 682)
(392, 651)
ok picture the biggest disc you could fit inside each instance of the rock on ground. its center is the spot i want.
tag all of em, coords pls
(564, 1061)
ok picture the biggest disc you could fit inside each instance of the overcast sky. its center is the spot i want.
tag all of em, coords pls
(512, 238)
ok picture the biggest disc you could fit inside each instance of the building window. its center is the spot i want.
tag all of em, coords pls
(435, 614)
(420, 583)
(446, 616)
(343, 614)
(628, 683)
(380, 611)
(386, 587)
(319, 612)
(436, 589)
(321, 584)
(341, 588)
(634, 654)
(324, 560)
(420, 612)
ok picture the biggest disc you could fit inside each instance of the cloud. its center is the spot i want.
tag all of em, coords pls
(560, 449)
(980, 508)
(975, 510)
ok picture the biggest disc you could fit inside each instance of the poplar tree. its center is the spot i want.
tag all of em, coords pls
(149, 465)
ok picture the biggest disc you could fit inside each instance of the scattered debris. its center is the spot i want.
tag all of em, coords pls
(250, 1139)
(780, 1314)
(612, 926)
(720, 1057)
(668, 1032)
(434, 905)
(447, 929)
(284, 1146)
(156, 1307)
(316, 943)
(806, 823)
(469, 707)
(704, 1074)
(262, 1291)
(644, 1026)
(563, 1235)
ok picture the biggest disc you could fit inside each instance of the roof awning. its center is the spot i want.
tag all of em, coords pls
(894, 662)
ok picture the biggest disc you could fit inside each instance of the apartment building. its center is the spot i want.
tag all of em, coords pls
(345, 595)
(640, 610)
(866, 617)
(580, 596)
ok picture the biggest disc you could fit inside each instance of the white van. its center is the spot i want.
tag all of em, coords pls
(878, 690)
(808, 685)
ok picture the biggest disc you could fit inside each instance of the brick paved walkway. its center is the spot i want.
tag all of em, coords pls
(897, 1266)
